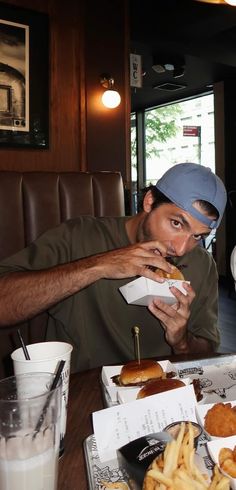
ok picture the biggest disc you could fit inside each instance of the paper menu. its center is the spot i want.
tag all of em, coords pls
(120, 424)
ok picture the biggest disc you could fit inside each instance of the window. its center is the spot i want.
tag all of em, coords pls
(176, 133)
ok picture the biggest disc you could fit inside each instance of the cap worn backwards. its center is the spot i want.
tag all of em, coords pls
(186, 183)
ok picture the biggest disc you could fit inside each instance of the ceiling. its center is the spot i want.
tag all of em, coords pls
(198, 39)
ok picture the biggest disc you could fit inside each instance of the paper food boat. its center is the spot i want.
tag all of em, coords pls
(201, 411)
(214, 448)
(126, 396)
(142, 291)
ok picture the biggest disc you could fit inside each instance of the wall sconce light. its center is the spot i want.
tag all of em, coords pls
(110, 98)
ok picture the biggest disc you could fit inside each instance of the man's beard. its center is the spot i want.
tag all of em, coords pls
(144, 235)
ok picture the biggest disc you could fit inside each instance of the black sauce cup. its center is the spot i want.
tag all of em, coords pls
(174, 428)
(136, 456)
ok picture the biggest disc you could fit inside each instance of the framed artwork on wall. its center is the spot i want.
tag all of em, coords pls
(24, 78)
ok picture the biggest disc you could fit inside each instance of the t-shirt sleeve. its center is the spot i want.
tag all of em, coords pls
(50, 249)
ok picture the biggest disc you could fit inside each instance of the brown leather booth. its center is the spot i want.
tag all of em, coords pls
(33, 202)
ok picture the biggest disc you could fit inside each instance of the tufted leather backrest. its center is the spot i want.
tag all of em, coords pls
(33, 202)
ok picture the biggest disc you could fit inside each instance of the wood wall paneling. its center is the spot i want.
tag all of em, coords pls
(63, 105)
(86, 38)
(106, 52)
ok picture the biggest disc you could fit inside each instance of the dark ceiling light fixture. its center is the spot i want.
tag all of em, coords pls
(163, 67)
(219, 2)
(174, 64)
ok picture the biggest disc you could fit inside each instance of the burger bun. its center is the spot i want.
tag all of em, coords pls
(159, 386)
(174, 274)
(135, 373)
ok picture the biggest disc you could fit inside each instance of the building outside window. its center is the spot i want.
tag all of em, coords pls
(193, 139)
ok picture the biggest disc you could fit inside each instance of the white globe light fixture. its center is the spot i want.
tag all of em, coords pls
(110, 98)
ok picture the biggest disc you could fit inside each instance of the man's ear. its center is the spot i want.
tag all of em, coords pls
(148, 202)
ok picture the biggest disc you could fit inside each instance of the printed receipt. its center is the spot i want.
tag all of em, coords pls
(118, 425)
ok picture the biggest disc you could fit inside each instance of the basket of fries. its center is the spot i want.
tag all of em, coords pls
(136, 456)
(176, 467)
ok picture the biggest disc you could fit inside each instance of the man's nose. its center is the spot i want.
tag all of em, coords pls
(182, 245)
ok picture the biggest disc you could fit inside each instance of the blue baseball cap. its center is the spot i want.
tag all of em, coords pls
(186, 183)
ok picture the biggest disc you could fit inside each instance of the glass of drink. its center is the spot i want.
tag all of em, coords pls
(29, 432)
(45, 357)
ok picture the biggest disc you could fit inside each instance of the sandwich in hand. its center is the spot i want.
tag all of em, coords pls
(174, 274)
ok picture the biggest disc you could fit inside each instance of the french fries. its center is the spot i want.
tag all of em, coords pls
(175, 469)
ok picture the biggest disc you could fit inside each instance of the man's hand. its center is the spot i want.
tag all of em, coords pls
(174, 319)
(140, 259)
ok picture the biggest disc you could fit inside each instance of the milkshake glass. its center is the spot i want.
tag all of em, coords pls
(29, 432)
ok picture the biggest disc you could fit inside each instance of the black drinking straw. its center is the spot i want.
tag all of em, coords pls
(53, 386)
(23, 346)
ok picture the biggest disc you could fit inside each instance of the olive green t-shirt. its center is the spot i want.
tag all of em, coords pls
(97, 321)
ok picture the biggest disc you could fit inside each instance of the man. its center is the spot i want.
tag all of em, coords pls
(74, 271)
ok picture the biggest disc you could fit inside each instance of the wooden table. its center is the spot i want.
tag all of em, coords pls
(85, 397)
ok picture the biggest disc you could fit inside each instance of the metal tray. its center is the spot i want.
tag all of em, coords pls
(99, 474)
(102, 476)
